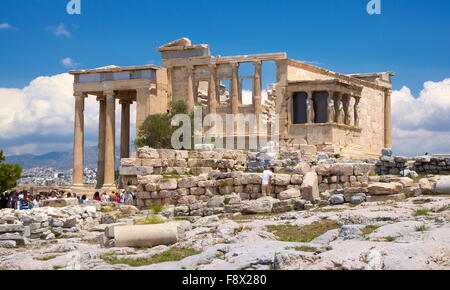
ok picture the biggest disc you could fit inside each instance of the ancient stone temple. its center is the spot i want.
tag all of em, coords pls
(338, 113)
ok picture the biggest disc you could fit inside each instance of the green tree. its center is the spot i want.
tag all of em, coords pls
(9, 174)
(157, 130)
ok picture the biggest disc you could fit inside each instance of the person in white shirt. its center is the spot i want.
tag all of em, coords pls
(267, 181)
(36, 202)
(105, 197)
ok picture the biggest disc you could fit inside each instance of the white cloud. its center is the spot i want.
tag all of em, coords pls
(6, 26)
(42, 113)
(422, 124)
(60, 30)
(68, 62)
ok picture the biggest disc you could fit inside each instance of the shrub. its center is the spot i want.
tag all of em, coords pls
(9, 174)
(157, 130)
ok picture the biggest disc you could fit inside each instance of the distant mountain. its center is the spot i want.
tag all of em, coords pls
(56, 160)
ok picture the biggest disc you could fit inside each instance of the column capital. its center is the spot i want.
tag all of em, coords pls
(125, 102)
(234, 64)
(109, 93)
(143, 90)
(80, 94)
(257, 63)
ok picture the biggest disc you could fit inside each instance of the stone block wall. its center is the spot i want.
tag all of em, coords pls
(18, 227)
(150, 161)
(349, 176)
(432, 164)
(157, 189)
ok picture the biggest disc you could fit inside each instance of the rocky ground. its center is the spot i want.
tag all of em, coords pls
(409, 234)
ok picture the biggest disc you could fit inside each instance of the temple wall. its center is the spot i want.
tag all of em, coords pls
(368, 141)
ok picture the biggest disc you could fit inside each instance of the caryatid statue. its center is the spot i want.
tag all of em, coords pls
(310, 114)
(331, 109)
(340, 112)
(350, 117)
(357, 112)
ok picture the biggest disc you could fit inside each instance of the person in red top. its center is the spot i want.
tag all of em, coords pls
(97, 196)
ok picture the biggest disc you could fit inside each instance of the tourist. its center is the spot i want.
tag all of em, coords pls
(129, 198)
(105, 197)
(123, 197)
(23, 202)
(97, 196)
(4, 201)
(117, 197)
(36, 202)
(53, 195)
(83, 199)
(266, 182)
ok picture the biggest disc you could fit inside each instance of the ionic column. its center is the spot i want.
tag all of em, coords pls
(78, 141)
(125, 129)
(101, 142)
(235, 89)
(257, 88)
(109, 139)
(143, 105)
(190, 88)
(212, 90)
(387, 120)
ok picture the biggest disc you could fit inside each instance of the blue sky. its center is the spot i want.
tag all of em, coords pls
(410, 38)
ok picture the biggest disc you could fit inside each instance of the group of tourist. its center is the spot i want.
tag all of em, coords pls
(123, 197)
(24, 200)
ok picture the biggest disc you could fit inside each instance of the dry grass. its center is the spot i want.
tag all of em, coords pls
(305, 234)
(174, 254)
(46, 258)
(421, 212)
(369, 229)
(150, 220)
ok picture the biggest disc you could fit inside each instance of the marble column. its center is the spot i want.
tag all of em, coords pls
(257, 88)
(212, 91)
(101, 142)
(125, 129)
(143, 105)
(387, 120)
(78, 142)
(235, 88)
(190, 88)
(110, 140)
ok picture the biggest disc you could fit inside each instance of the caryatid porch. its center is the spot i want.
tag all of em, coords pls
(108, 84)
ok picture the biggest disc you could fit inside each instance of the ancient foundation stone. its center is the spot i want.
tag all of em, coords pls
(310, 187)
